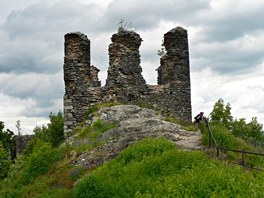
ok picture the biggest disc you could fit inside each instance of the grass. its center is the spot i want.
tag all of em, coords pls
(93, 132)
(185, 125)
(150, 168)
(155, 168)
(226, 139)
(95, 108)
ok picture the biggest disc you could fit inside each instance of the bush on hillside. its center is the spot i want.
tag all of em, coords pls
(154, 167)
(7, 139)
(39, 162)
(53, 133)
(5, 162)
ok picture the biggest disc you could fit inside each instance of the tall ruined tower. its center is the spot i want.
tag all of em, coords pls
(125, 82)
(174, 71)
(124, 72)
(78, 76)
(174, 65)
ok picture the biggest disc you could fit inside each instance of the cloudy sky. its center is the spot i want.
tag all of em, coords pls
(226, 42)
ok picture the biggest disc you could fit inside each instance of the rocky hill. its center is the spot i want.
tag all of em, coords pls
(126, 151)
(133, 123)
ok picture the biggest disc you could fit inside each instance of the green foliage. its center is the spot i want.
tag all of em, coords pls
(236, 134)
(7, 139)
(39, 162)
(254, 132)
(5, 162)
(53, 133)
(238, 127)
(251, 132)
(221, 114)
(225, 138)
(55, 130)
(57, 193)
(21, 181)
(186, 126)
(155, 168)
(95, 108)
(96, 130)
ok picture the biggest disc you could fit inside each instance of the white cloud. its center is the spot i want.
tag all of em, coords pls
(244, 92)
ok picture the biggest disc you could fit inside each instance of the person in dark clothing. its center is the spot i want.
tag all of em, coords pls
(198, 119)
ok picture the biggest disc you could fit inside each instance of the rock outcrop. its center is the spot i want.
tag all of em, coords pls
(134, 124)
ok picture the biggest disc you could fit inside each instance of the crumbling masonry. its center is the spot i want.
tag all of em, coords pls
(125, 83)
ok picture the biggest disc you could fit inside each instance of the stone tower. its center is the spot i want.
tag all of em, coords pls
(125, 82)
(174, 65)
(124, 72)
(174, 71)
(78, 76)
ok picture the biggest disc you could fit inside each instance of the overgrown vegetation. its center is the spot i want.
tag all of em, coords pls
(95, 108)
(5, 162)
(7, 150)
(251, 132)
(92, 133)
(53, 133)
(155, 168)
(235, 134)
(44, 168)
(7, 140)
(150, 168)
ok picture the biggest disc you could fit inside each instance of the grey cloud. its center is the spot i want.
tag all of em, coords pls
(43, 89)
(148, 14)
(231, 25)
(24, 57)
(41, 19)
(227, 58)
(35, 35)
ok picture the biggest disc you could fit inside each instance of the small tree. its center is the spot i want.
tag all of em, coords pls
(239, 127)
(18, 126)
(162, 51)
(221, 114)
(54, 132)
(254, 132)
(55, 129)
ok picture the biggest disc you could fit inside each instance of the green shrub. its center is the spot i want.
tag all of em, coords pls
(155, 168)
(57, 193)
(5, 162)
(224, 138)
(53, 133)
(39, 162)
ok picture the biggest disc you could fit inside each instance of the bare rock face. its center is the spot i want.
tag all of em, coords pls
(135, 123)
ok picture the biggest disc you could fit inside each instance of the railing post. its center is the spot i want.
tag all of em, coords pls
(210, 139)
(209, 134)
(243, 159)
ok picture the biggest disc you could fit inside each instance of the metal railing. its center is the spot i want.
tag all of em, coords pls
(212, 141)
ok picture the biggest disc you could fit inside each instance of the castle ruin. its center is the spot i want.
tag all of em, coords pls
(125, 83)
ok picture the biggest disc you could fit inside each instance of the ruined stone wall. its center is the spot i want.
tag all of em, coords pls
(125, 82)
